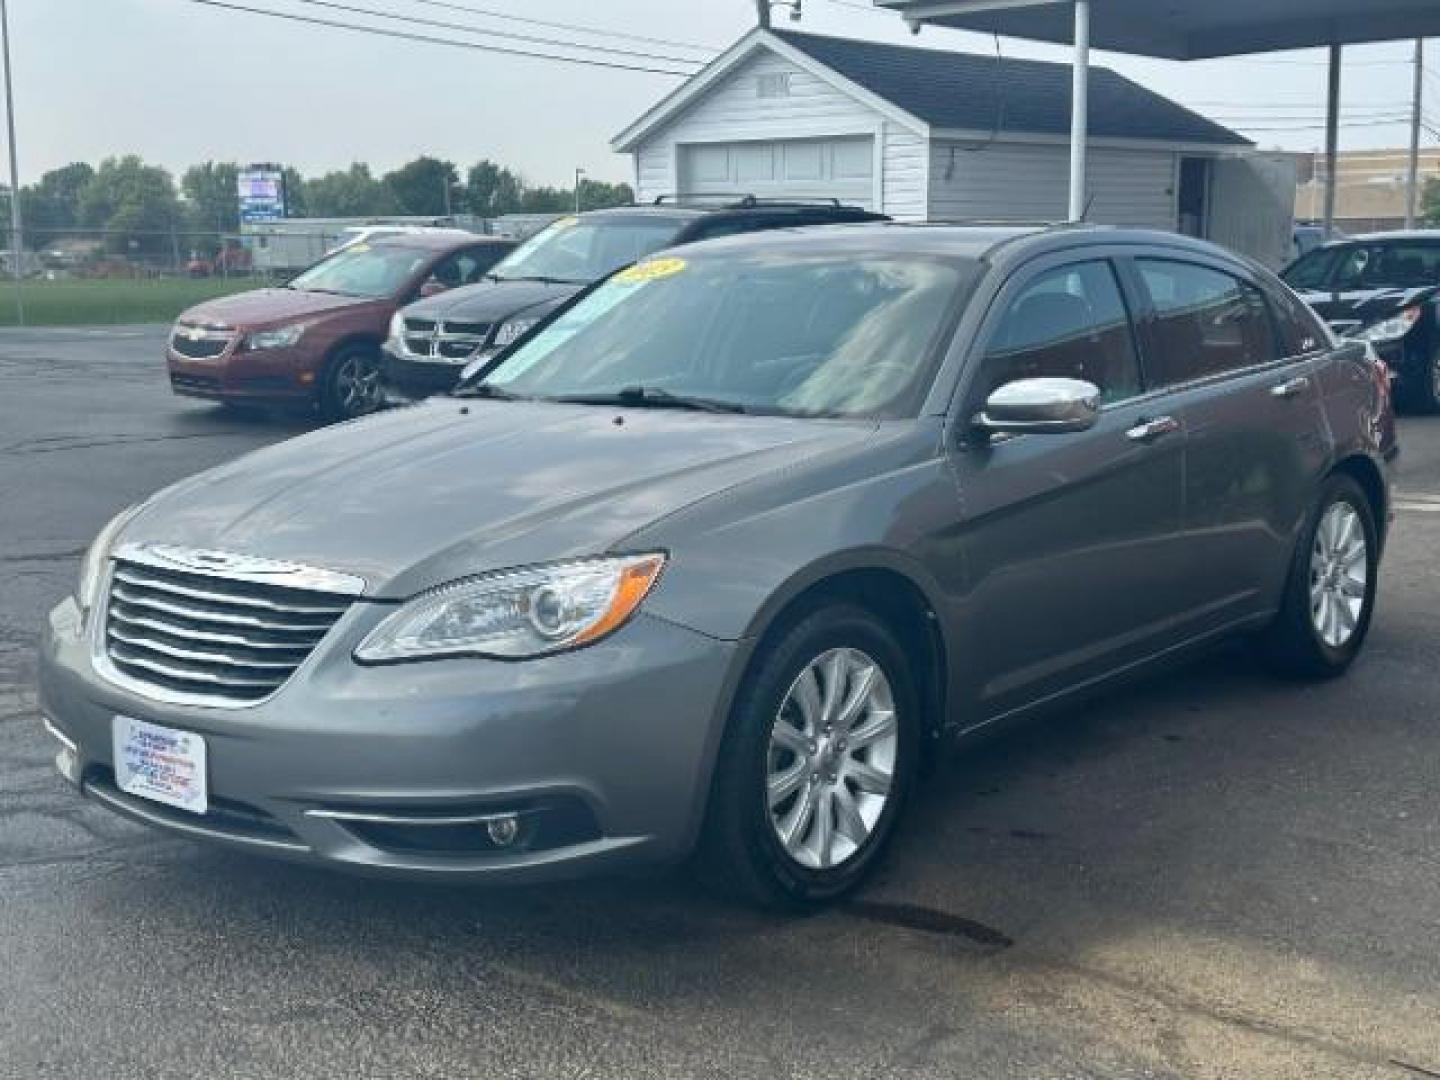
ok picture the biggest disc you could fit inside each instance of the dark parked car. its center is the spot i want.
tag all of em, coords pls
(317, 339)
(1384, 289)
(717, 556)
(432, 341)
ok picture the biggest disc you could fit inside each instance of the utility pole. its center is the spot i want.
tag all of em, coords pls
(446, 182)
(579, 183)
(762, 12)
(17, 245)
(1332, 138)
(1412, 182)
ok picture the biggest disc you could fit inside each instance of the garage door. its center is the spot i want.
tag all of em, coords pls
(784, 168)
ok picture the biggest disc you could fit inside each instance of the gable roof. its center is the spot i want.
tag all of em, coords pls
(935, 90)
(967, 91)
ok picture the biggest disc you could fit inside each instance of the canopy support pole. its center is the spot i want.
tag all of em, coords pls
(1332, 140)
(1080, 111)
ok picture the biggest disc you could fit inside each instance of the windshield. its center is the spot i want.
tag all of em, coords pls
(582, 250)
(363, 270)
(804, 335)
(1367, 266)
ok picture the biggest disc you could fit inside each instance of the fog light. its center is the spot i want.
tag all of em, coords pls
(67, 761)
(503, 830)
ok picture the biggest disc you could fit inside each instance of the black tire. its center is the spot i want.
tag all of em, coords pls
(741, 853)
(1294, 644)
(1421, 392)
(338, 399)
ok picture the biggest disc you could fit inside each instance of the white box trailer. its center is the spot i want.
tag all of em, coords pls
(289, 246)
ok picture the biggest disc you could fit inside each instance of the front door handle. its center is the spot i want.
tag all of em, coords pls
(1294, 388)
(1150, 430)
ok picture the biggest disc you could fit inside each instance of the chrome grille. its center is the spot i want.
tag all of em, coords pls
(447, 342)
(199, 342)
(211, 637)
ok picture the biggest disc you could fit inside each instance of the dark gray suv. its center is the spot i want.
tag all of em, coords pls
(711, 562)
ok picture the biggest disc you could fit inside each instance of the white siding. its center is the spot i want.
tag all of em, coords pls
(1030, 182)
(734, 110)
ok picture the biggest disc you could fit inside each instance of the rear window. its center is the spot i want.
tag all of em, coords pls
(579, 250)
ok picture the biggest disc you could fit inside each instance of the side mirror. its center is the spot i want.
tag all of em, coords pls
(1041, 406)
(433, 287)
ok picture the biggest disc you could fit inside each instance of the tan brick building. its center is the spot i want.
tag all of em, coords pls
(1371, 192)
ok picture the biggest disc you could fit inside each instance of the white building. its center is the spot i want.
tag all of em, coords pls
(929, 134)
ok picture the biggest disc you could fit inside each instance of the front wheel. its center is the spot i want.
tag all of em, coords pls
(1330, 595)
(817, 763)
(352, 385)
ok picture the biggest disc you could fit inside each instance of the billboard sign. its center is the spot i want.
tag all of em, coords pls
(262, 193)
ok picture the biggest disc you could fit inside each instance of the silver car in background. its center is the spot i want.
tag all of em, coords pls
(711, 561)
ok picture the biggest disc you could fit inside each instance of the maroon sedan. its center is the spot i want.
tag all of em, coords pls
(317, 339)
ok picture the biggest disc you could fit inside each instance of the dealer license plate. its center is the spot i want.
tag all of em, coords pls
(160, 764)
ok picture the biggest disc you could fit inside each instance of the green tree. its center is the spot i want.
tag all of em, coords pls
(597, 195)
(1430, 201)
(352, 192)
(135, 203)
(421, 186)
(212, 202)
(491, 190)
(52, 206)
(295, 205)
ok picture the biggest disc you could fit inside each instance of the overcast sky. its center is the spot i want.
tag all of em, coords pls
(179, 83)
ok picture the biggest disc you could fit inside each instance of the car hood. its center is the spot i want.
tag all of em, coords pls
(491, 301)
(1355, 309)
(423, 495)
(262, 307)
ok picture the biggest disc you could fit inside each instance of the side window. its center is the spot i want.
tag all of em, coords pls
(482, 258)
(1207, 322)
(1300, 332)
(1072, 323)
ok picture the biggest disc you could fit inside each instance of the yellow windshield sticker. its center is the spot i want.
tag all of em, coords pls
(357, 248)
(564, 222)
(653, 270)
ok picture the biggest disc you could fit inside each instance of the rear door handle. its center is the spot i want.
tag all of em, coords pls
(1294, 388)
(1150, 430)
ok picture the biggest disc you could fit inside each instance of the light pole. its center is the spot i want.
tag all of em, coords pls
(579, 182)
(17, 245)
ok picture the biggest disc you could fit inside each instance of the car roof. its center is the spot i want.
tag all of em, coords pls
(1394, 234)
(680, 209)
(440, 240)
(980, 242)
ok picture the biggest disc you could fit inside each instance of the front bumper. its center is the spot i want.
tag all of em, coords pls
(266, 376)
(606, 750)
(408, 379)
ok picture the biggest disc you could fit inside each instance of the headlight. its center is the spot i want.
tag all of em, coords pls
(1392, 329)
(516, 614)
(282, 338)
(513, 331)
(92, 568)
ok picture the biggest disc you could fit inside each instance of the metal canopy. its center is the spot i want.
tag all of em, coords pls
(1188, 29)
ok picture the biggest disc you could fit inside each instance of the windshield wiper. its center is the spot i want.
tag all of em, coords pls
(652, 397)
(541, 279)
(488, 390)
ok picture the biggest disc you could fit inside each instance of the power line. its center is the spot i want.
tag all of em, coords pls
(443, 4)
(402, 35)
(509, 35)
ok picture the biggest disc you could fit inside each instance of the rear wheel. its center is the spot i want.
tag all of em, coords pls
(1330, 595)
(817, 764)
(352, 384)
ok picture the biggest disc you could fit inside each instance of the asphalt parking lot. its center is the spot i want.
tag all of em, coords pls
(1215, 875)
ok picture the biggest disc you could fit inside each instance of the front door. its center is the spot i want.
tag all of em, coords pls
(1070, 541)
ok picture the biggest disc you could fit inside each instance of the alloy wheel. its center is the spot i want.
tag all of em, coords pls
(357, 384)
(831, 760)
(1339, 575)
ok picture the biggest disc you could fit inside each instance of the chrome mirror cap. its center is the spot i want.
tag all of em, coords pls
(1038, 406)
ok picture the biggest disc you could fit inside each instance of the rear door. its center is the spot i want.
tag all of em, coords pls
(1070, 540)
(1250, 403)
